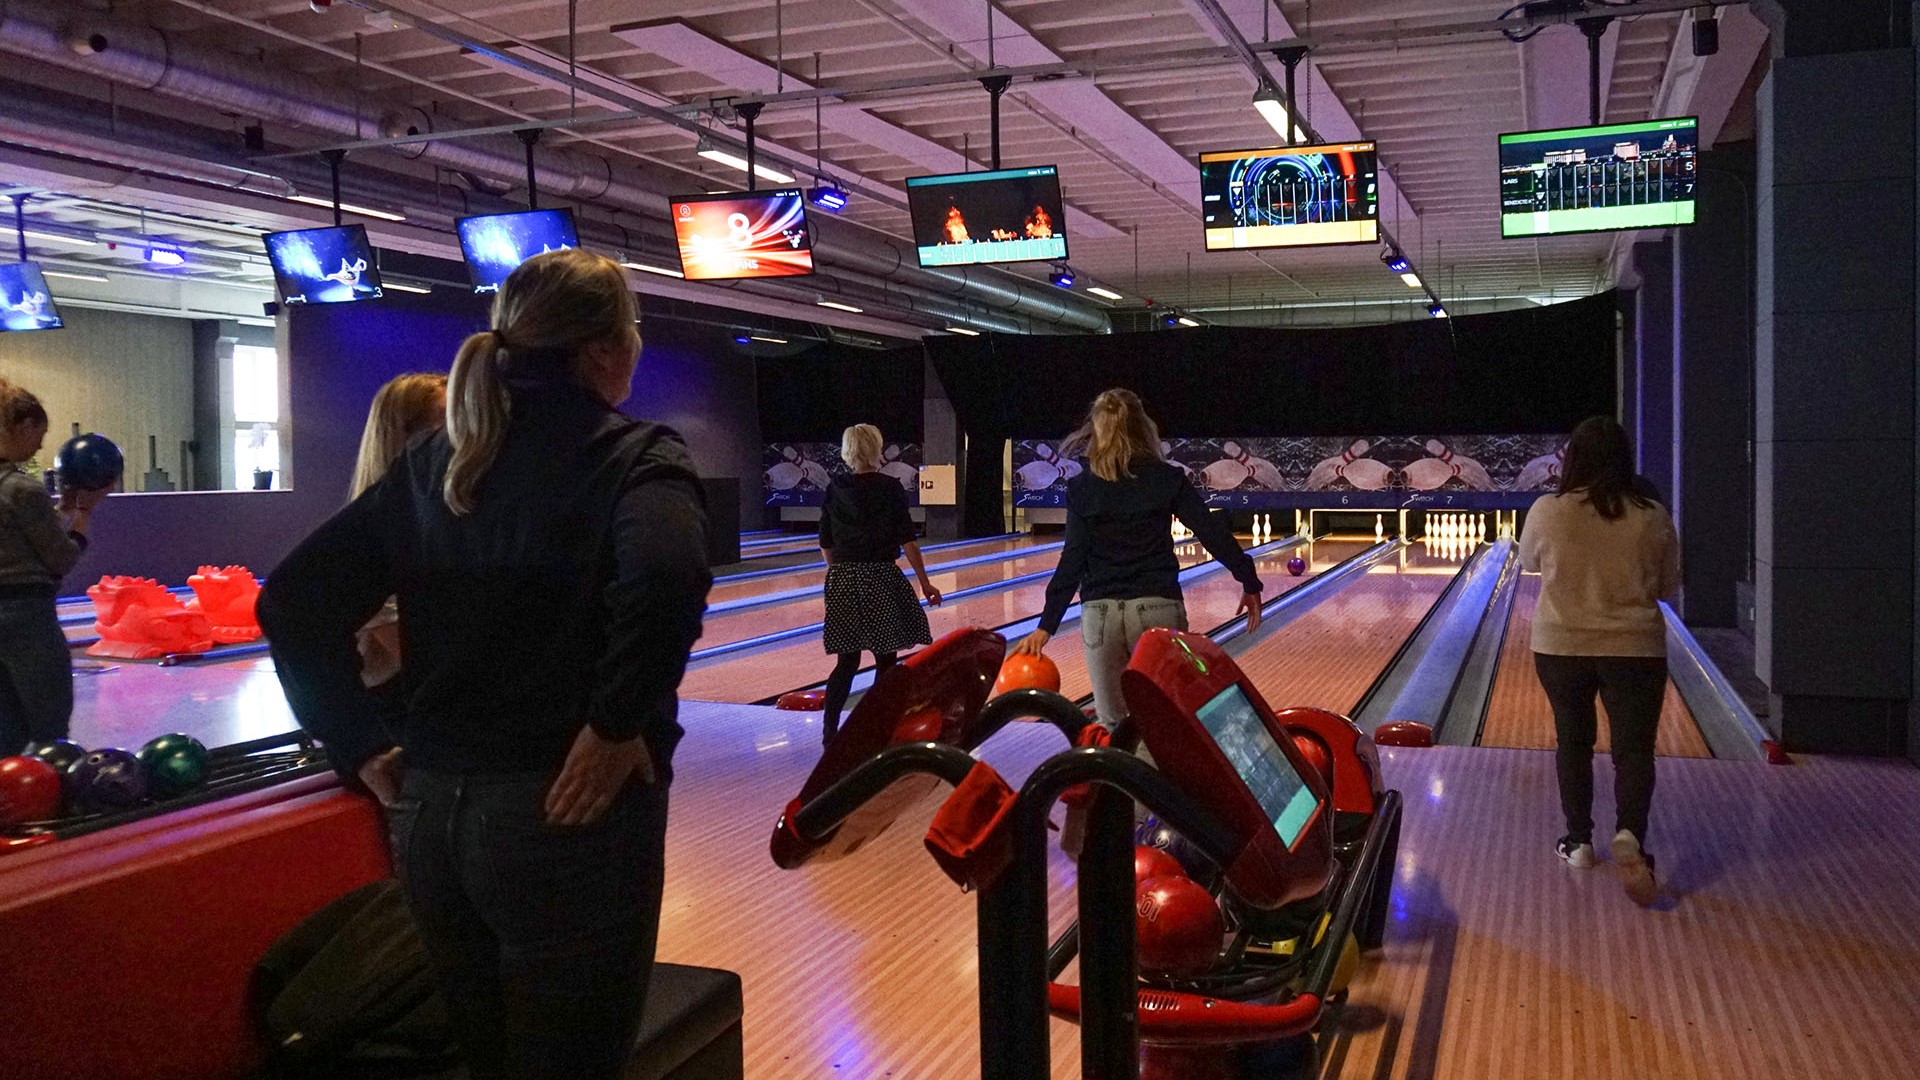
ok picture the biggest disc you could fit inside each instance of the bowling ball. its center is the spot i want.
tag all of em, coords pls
(29, 790)
(1151, 862)
(1403, 733)
(175, 763)
(1023, 671)
(1316, 754)
(1152, 833)
(108, 779)
(802, 701)
(89, 462)
(1296, 566)
(59, 753)
(1177, 927)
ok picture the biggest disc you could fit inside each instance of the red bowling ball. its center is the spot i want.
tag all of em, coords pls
(1403, 733)
(29, 790)
(1177, 926)
(1296, 566)
(1152, 862)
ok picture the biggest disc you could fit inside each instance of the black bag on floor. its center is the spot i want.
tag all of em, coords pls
(347, 993)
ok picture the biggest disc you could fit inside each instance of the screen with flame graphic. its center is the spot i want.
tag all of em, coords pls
(745, 234)
(1009, 215)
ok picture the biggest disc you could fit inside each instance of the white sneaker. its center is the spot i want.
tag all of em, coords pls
(1577, 853)
(1636, 869)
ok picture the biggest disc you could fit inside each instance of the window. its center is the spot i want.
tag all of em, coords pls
(256, 385)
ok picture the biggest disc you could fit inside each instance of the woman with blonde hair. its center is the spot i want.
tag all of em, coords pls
(549, 558)
(406, 407)
(1119, 546)
(864, 527)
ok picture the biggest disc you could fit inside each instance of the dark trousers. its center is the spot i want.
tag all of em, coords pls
(840, 686)
(36, 671)
(542, 936)
(1633, 689)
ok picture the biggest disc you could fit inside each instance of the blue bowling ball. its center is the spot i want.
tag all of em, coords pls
(89, 462)
(106, 780)
(1154, 833)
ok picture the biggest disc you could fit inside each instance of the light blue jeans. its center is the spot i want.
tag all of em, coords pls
(1109, 630)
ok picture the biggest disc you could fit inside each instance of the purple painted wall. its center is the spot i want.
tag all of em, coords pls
(338, 356)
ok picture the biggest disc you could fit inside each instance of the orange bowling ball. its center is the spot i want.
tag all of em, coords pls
(1027, 671)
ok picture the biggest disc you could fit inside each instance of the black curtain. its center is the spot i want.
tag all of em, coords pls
(814, 395)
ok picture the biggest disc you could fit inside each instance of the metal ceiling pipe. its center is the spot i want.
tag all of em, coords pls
(149, 59)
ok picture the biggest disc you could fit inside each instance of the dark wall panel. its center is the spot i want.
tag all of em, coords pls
(694, 380)
(815, 395)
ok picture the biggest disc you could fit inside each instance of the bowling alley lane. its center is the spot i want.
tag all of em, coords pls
(736, 587)
(726, 627)
(1211, 601)
(1328, 657)
(1518, 715)
(218, 702)
(757, 674)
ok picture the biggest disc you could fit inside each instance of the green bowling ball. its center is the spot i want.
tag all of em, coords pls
(175, 763)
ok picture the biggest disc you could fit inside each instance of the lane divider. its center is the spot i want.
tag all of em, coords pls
(751, 574)
(941, 568)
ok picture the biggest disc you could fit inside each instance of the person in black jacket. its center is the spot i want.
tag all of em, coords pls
(1119, 546)
(864, 527)
(548, 555)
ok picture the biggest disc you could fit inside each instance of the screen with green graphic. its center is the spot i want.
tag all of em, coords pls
(1599, 179)
(1242, 736)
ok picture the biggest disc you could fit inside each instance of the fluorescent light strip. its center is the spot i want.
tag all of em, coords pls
(75, 277)
(398, 287)
(836, 305)
(661, 270)
(1184, 321)
(963, 330)
(740, 163)
(248, 320)
(347, 208)
(59, 238)
(1271, 110)
(1412, 279)
(769, 340)
(1103, 292)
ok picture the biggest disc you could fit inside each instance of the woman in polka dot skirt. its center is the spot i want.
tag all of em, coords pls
(864, 527)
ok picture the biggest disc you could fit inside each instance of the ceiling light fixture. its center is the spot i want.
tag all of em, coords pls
(1271, 109)
(706, 149)
(769, 339)
(828, 197)
(347, 208)
(1062, 276)
(1437, 311)
(164, 256)
(838, 306)
(963, 330)
(398, 286)
(1184, 321)
(1104, 293)
(661, 270)
(69, 275)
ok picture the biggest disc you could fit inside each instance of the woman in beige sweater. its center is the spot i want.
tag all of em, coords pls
(1607, 554)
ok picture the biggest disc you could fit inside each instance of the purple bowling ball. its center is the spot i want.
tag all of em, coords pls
(107, 779)
(1296, 566)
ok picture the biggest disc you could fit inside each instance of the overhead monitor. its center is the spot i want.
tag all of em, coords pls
(1599, 179)
(25, 301)
(743, 234)
(1290, 196)
(323, 266)
(1003, 216)
(496, 244)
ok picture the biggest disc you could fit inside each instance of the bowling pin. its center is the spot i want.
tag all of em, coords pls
(1379, 528)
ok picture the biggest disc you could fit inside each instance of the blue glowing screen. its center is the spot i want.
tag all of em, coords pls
(323, 266)
(25, 301)
(498, 243)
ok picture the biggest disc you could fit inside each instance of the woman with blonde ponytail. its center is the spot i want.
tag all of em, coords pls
(1119, 546)
(549, 559)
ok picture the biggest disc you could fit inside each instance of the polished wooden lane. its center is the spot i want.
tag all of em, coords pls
(1210, 601)
(1517, 711)
(1328, 657)
(862, 968)
(756, 674)
(1786, 945)
(725, 590)
(731, 626)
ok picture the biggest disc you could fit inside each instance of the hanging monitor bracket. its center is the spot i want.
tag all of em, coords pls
(996, 85)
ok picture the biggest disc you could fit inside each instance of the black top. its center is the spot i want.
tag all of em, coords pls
(570, 597)
(1119, 541)
(865, 518)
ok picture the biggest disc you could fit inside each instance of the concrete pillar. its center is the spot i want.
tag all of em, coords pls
(1835, 438)
(1711, 392)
